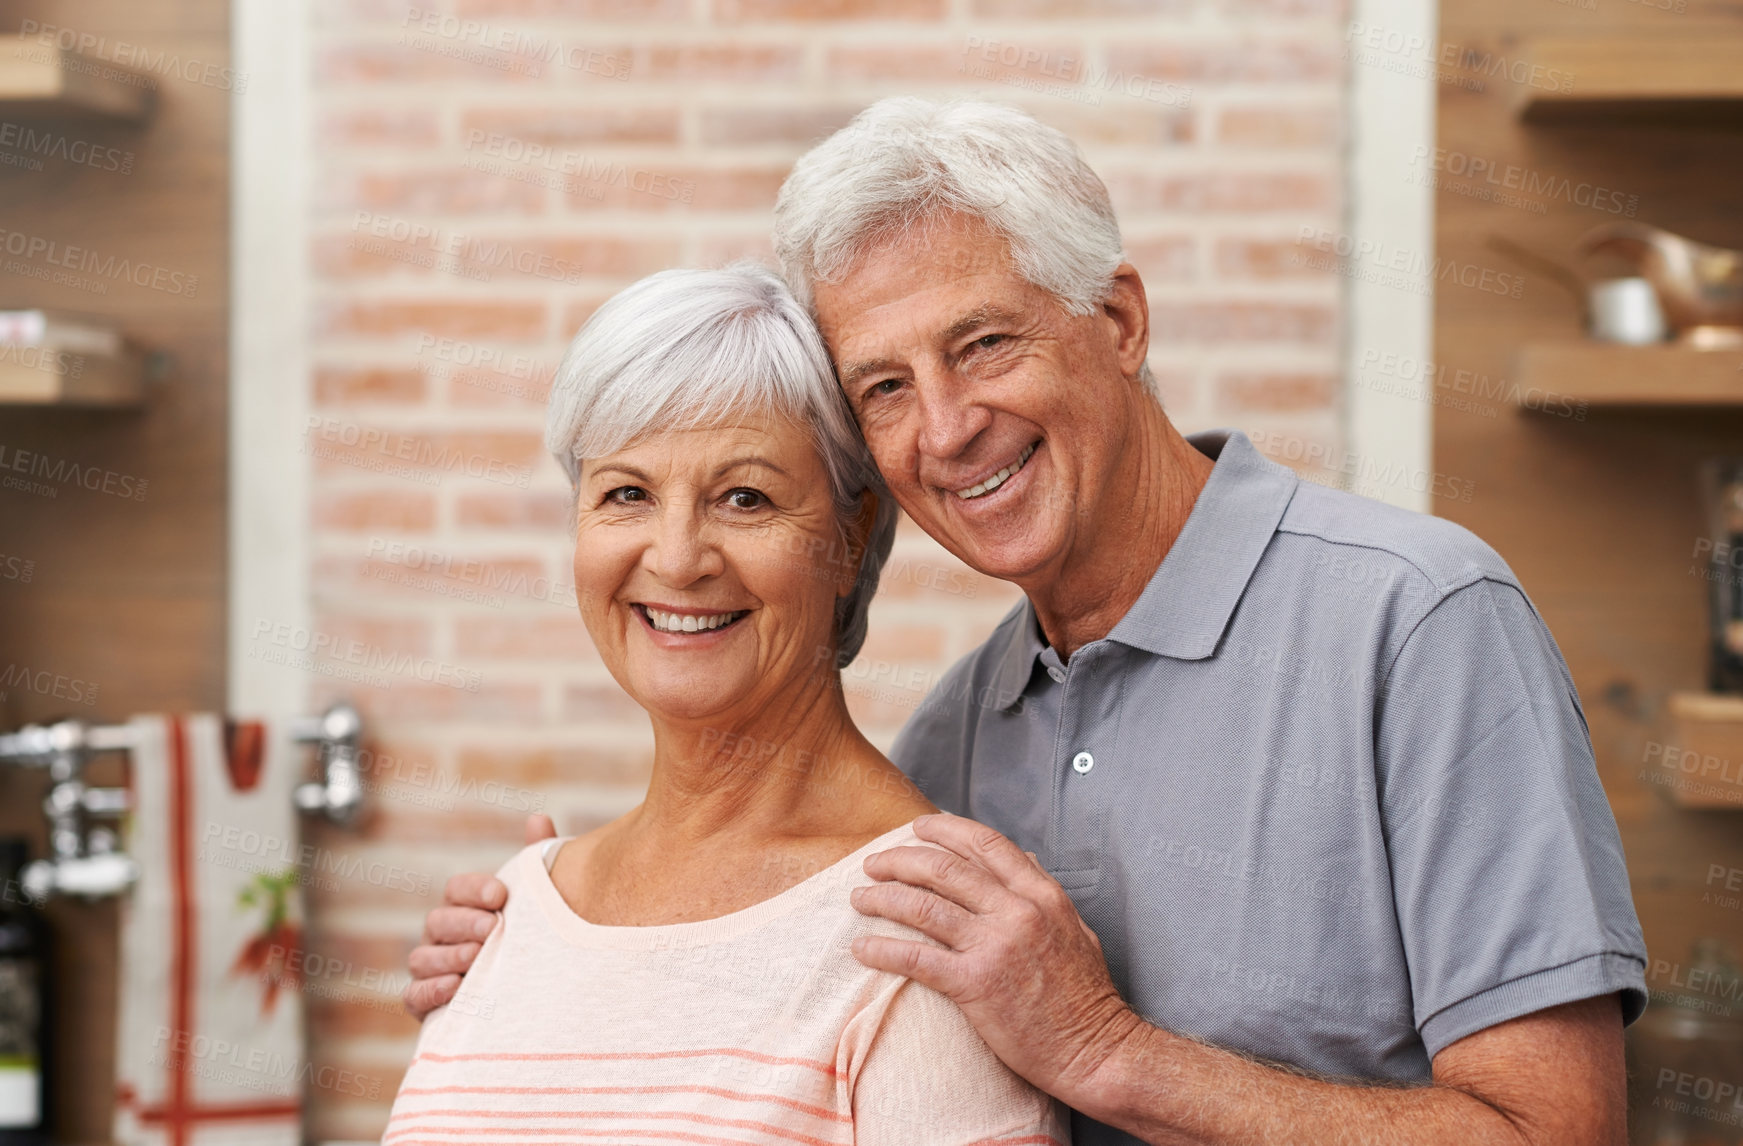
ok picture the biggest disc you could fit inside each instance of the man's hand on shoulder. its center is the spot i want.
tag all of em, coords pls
(454, 932)
(1026, 970)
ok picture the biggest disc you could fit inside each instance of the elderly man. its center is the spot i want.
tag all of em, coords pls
(1277, 818)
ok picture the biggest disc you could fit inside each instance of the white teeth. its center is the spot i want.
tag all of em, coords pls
(997, 479)
(689, 622)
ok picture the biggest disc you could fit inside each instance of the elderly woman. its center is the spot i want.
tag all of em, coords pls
(684, 973)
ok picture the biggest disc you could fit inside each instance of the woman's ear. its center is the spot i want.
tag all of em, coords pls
(858, 534)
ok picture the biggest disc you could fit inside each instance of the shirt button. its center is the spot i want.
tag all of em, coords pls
(1083, 762)
(1058, 675)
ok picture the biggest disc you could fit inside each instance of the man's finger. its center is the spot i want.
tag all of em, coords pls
(926, 913)
(458, 925)
(434, 959)
(921, 962)
(475, 889)
(976, 842)
(425, 995)
(959, 880)
(540, 827)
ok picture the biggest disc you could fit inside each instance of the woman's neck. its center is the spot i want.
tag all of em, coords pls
(770, 771)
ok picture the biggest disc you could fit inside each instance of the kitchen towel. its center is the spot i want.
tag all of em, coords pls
(209, 1035)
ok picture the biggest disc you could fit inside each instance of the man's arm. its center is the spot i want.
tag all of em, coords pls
(455, 931)
(1029, 975)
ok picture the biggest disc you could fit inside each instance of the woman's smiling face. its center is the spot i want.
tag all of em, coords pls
(707, 566)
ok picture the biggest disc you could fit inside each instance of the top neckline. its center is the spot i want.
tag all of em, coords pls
(579, 932)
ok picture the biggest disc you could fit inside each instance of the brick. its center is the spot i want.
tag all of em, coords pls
(723, 61)
(1177, 387)
(886, 62)
(402, 511)
(1276, 391)
(494, 388)
(360, 256)
(802, 125)
(1266, 259)
(1145, 123)
(1274, 127)
(543, 512)
(451, 190)
(575, 9)
(550, 767)
(558, 636)
(1078, 9)
(1292, 60)
(376, 64)
(391, 127)
(677, 189)
(1166, 258)
(392, 636)
(340, 385)
(802, 11)
(505, 457)
(428, 572)
(1223, 322)
(570, 124)
(414, 700)
(475, 319)
(1224, 191)
(564, 258)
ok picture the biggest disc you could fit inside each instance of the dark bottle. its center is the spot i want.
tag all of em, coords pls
(1724, 573)
(24, 962)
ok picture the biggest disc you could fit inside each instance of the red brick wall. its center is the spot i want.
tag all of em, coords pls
(486, 171)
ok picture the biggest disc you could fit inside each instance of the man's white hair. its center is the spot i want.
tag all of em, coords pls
(905, 161)
(688, 349)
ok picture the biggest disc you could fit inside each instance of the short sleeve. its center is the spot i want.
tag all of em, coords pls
(1508, 875)
(929, 1080)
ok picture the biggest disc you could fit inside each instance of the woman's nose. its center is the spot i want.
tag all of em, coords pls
(682, 552)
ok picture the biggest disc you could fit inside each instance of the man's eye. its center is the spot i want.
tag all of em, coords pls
(883, 389)
(746, 499)
(627, 494)
(988, 341)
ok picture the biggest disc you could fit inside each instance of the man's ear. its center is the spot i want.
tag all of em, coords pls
(1128, 312)
(858, 536)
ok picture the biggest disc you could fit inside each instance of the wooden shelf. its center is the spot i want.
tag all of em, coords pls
(44, 376)
(1610, 374)
(1699, 762)
(1633, 76)
(44, 81)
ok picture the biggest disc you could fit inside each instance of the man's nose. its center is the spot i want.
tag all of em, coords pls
(683, 551)
(950, 415)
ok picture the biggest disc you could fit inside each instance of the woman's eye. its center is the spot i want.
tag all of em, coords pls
(627, 495)
(882, 389)
(746, 499)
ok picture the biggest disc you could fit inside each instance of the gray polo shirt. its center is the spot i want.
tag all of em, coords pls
(1326, 793)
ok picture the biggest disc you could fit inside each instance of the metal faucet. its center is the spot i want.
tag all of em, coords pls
(338, 795)
(85, 857)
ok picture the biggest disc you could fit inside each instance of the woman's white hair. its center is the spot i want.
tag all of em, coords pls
(905, 161)
(690, 349)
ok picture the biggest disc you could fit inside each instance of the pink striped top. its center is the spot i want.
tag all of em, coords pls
(755, 1027)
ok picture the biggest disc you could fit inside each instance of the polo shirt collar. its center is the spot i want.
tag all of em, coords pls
(1186, 607)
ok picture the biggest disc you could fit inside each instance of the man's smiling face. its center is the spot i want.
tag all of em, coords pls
(999, 420)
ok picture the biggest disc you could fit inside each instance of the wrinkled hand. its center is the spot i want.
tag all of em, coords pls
(1024, 967)
(454, 932)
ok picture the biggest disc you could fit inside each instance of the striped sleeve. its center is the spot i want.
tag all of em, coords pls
(929, 1080)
